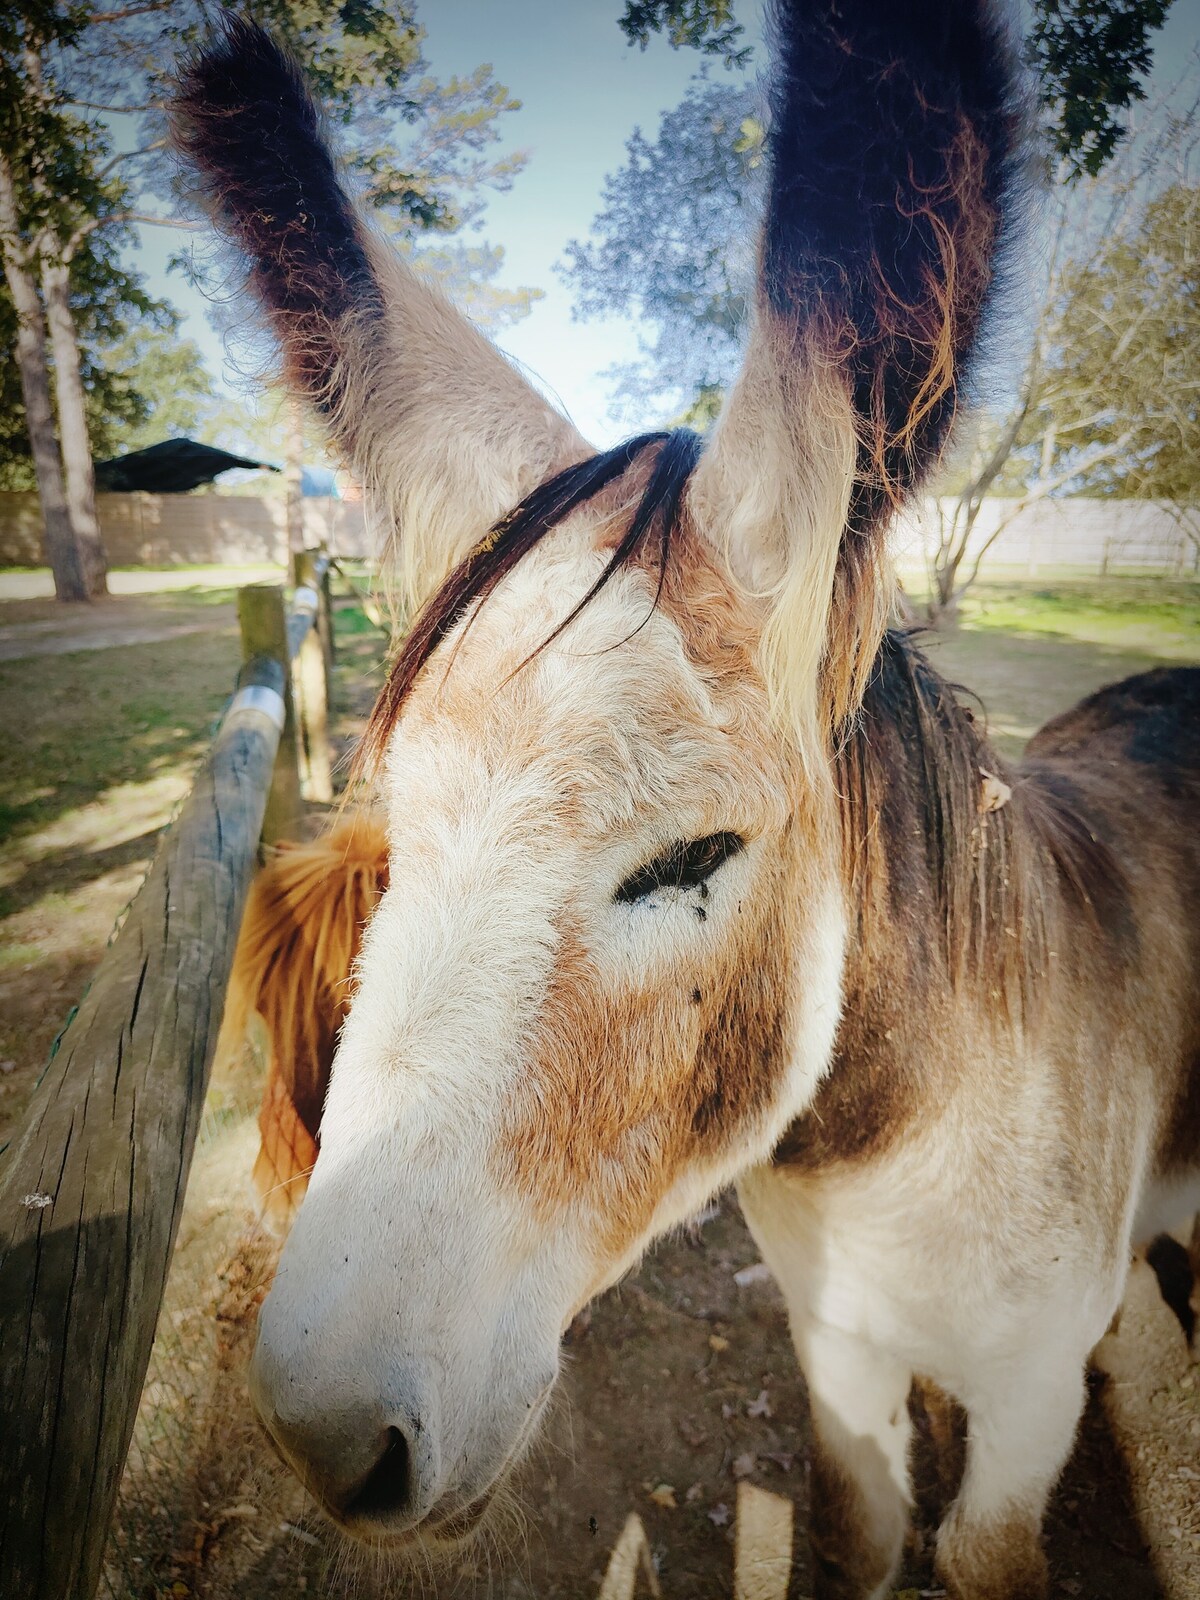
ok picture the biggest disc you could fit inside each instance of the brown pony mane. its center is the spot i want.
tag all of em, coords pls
(296, 950)
(917, 829)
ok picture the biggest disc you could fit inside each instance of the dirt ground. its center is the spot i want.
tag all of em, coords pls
(681, 1385)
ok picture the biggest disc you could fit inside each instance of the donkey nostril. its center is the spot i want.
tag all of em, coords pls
(386, 1488)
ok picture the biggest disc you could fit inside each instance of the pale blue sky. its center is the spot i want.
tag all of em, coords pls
(583, 89)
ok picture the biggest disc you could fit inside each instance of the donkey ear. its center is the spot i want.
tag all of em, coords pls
(895, 129)
(443, 433)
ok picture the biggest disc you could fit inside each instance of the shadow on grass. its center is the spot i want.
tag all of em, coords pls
(70, 870)
(96, 727)
(1022, 679)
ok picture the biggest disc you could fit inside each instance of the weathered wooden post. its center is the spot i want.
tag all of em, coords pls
(91, 1192)
(264, 626)
(311, 666)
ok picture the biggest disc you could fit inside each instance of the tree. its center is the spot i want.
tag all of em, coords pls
(1107, 402)
(671, 245)
(125, 339)
(673, 248)
(1132, 309)
(1091, 58)
(706, 25)
(419, 150)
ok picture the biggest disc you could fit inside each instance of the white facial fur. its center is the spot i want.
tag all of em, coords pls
(467, 1201)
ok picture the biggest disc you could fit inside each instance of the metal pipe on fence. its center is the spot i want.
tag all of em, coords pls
(295, 639)
(91, 1190)
(312, 664)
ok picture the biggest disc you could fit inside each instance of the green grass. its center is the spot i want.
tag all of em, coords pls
(1029, 650)
(1158, 615)
(80, 725)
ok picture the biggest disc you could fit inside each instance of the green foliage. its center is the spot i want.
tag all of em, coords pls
(81, 119)
(167, 391)
(1091, 57)
(122, 332)
(706, 25)
(673, 247)
(1119, 392)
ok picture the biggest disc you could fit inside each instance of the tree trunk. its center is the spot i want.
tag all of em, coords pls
(72, 422)
(62, 553)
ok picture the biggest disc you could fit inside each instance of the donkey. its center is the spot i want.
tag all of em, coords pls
(694, 875)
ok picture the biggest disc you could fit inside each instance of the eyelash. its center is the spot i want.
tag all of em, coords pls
(683, 866)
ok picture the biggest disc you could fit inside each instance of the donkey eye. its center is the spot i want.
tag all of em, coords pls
(683, 866)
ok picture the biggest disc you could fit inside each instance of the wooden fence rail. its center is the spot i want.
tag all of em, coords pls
(92, 1187)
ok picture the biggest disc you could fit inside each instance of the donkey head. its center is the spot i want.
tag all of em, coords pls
(605, 976)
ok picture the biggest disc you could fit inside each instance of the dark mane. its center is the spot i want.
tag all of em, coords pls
(549, 505)
(980, 891)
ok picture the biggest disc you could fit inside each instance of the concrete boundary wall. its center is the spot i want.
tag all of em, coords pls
(162, 530)
(156, 530)
(1104, 535)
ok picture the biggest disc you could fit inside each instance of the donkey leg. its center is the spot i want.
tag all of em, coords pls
(860, 1482)
(1021, 1427)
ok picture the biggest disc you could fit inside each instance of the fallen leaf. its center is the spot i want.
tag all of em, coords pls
(664, 1496)
(715, 1342)
(760, 1272)
(744, 1465)
(760, 1407)
(718, 1515)
(727, 1410)
(694, 1493)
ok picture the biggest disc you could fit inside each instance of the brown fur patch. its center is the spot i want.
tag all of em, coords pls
(1002, 1559)
(953, 911)
(298, 942)
(848, 1562)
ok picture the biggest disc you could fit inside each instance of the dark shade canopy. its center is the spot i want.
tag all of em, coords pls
(172, 467)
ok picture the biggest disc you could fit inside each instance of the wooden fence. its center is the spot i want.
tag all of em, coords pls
(92, 1187)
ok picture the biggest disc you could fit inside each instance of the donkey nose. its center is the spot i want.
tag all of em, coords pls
(365, 1476)
(386, 1493)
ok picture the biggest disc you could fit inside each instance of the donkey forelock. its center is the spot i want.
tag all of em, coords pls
(540, 513)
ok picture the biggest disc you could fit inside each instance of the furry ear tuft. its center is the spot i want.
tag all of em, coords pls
(244, 120)
(443, 434)
(896, 150)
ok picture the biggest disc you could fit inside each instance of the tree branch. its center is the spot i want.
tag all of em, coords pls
(125, 12)
(128, 155)
(86, 229)
(95, 105)
(1040, 490)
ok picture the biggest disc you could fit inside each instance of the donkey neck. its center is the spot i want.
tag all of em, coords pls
(948, 908)
(928, 856)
